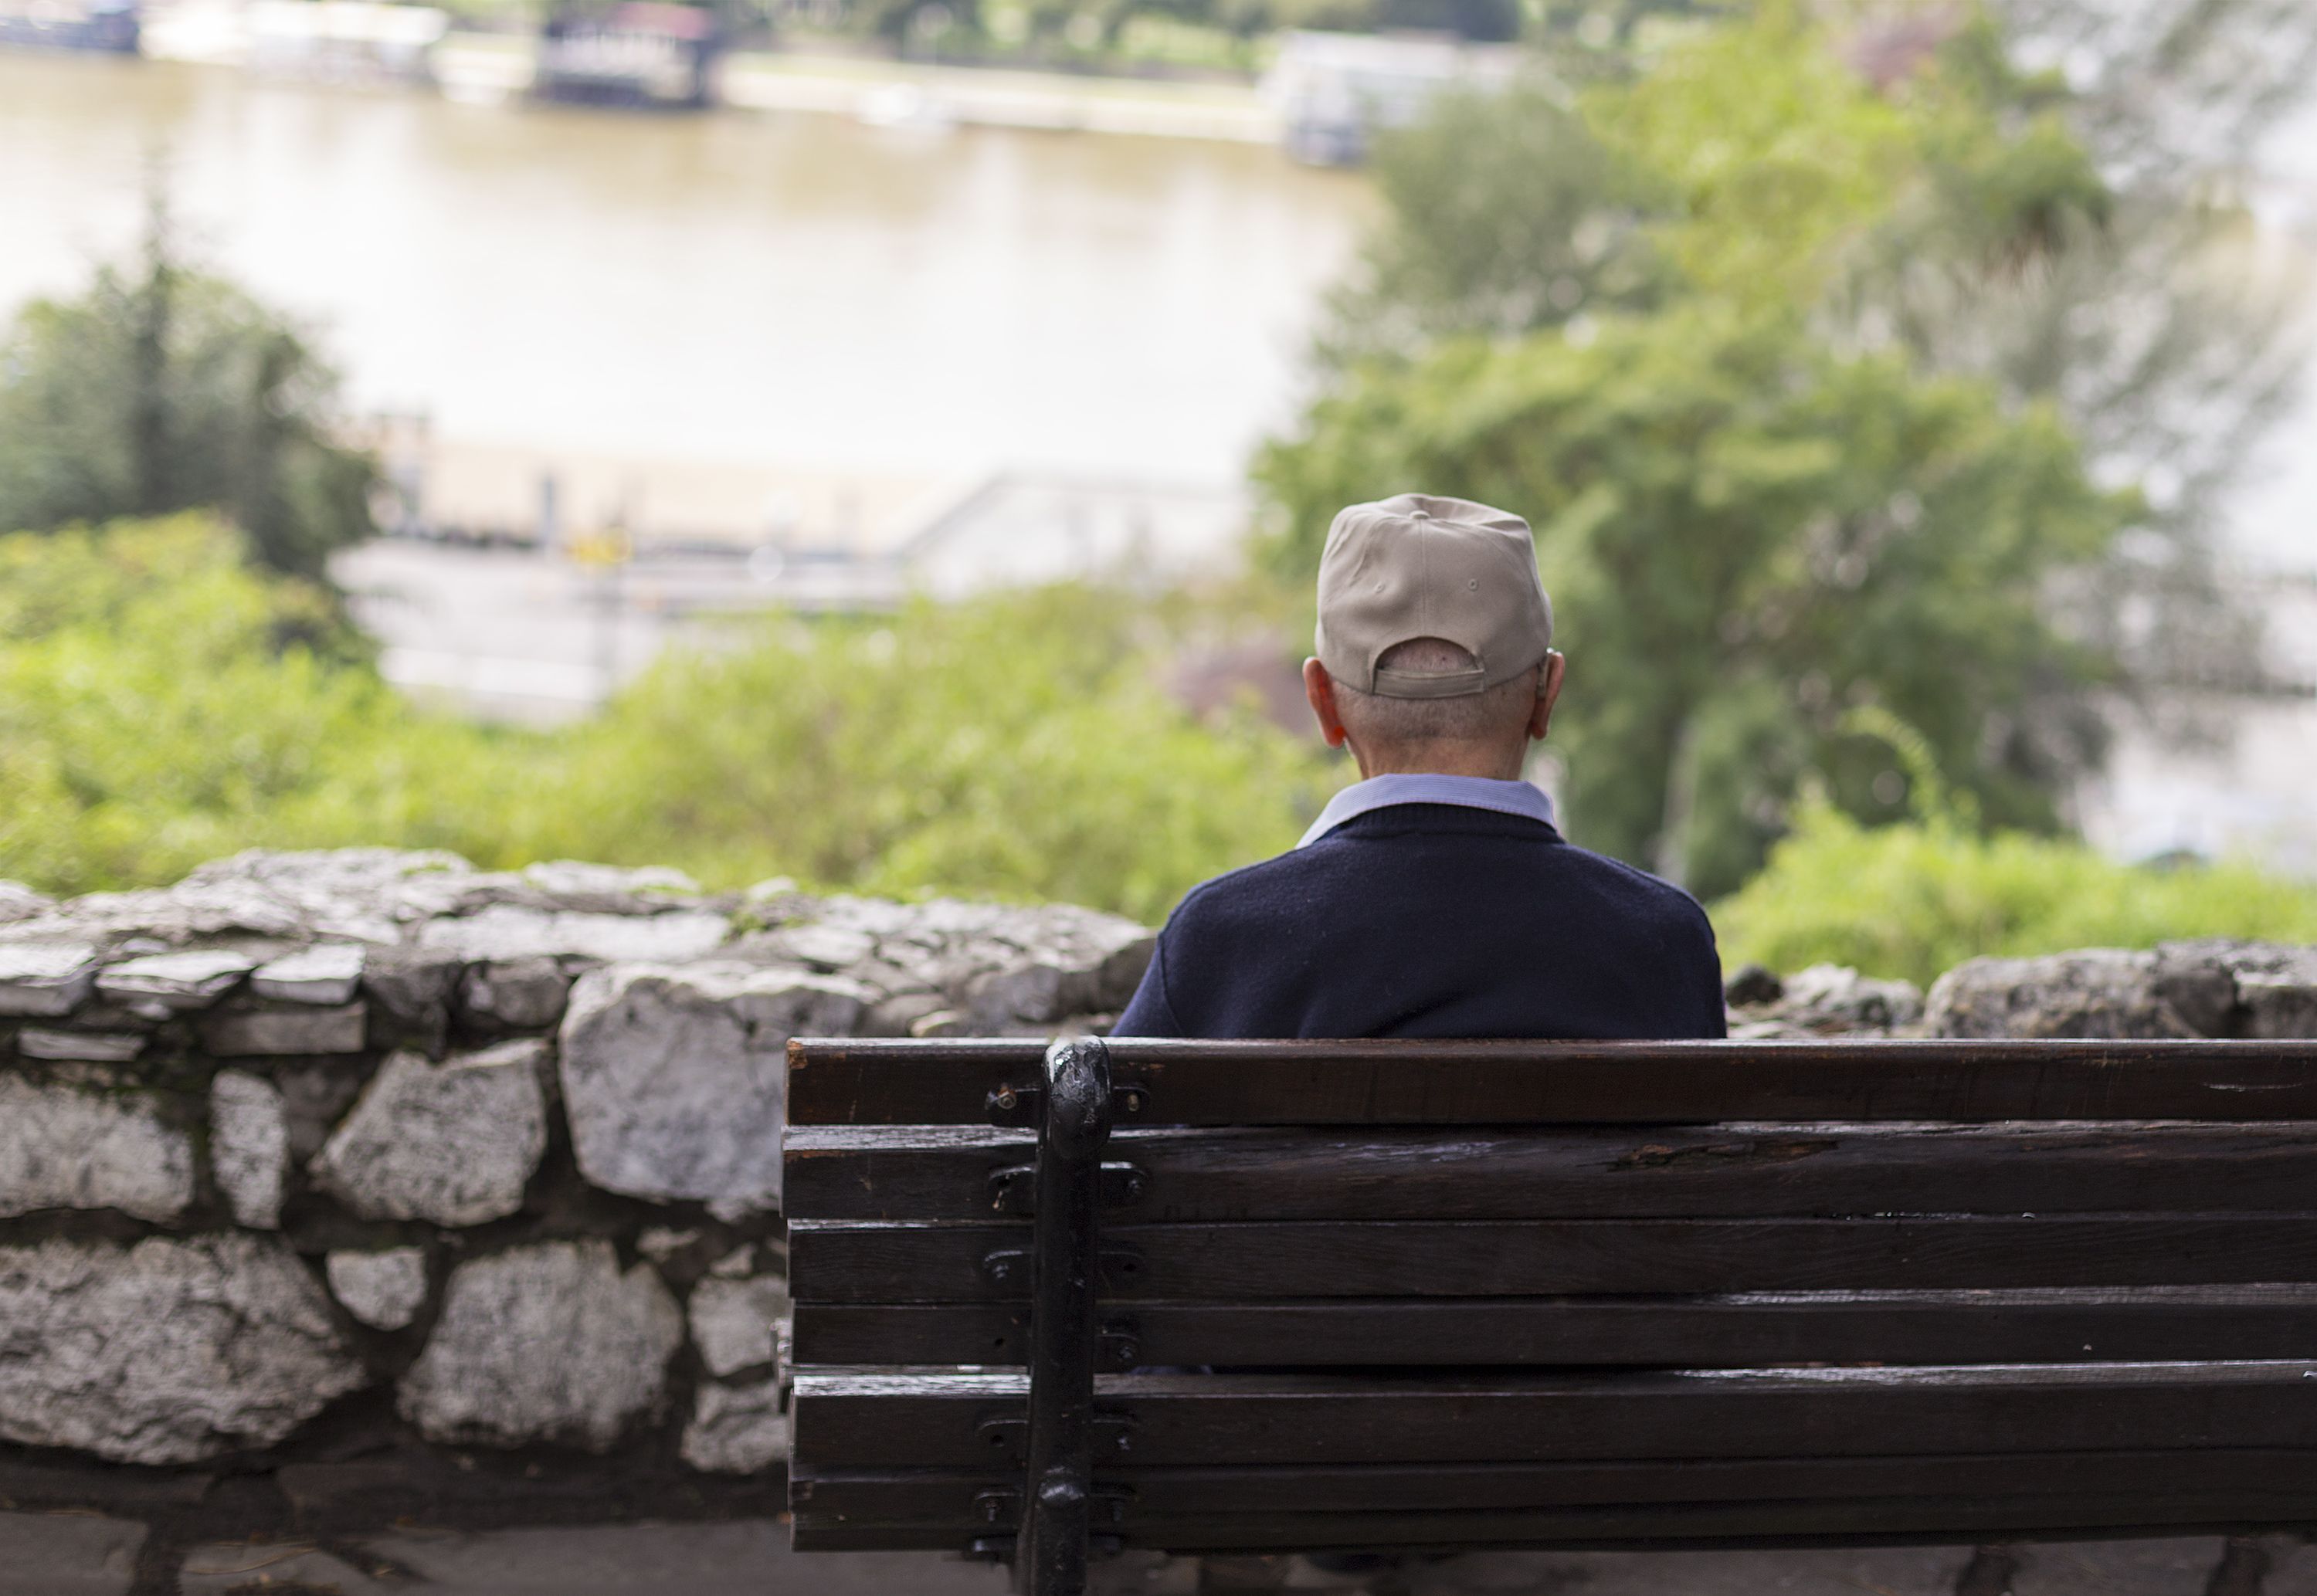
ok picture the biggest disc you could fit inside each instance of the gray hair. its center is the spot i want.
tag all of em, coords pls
(1492, 715)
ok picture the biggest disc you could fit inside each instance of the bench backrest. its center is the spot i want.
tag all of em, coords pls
(1521, 1294)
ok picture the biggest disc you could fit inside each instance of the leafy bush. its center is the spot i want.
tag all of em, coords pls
(161, 703)
(1919, 897)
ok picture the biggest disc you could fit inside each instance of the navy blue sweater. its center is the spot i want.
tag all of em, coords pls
(1432, 920)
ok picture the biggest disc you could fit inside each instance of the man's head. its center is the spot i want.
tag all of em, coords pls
(1435, 639)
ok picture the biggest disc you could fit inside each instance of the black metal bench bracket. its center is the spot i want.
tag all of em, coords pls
(1013, 1190)
(1057, 1494)
(1022, 1104)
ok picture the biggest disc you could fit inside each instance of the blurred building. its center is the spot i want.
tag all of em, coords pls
(643, 53)
(529, 584)
(1333, 92)
(344, 41)
(110, 25)
(2223, 769)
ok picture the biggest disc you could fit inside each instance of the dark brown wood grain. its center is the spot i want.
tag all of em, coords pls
(1907, 1519)
(1448, 1083)
(1740, 1330)
(934, 1420)
(1679, 1172)
(954, 1498)
(846, 1260)
(1469, 1294)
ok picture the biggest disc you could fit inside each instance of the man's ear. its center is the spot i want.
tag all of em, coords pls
(1320, 688)
(1548, 693)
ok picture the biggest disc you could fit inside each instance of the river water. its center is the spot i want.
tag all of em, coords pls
(799, 289)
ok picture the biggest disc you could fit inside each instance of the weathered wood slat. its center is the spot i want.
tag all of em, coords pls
(843, 1261)
(958, 1502)
(1737, 1331)
(1910, 1520)
(943, 1172)
(932, 1419)
(1450, 1083)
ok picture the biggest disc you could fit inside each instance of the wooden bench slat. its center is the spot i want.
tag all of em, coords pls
(943, 1172)
(1451, 1082)
(932, 1419)
(1738, 1331)
(846, 1261)
(953, 1499)
(1905, 1520)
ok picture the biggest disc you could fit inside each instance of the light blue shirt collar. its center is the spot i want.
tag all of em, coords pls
(1467, 792)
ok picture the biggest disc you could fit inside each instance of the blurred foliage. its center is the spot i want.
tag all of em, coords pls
(1917, 898)
(1745, 536)
(1016, 746)
(162, 704)
(170, 389)
(1507, 214)
(1750, 525)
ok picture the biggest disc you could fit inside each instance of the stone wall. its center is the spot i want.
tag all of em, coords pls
(342, 1189)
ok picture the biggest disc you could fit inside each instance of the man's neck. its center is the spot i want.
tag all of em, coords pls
(1491, 764)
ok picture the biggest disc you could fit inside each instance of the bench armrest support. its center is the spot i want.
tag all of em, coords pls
(1050, 1557)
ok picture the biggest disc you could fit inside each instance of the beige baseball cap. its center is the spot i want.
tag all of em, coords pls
(1420, 565)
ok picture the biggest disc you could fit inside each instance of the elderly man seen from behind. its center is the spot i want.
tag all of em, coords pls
(1433, 898)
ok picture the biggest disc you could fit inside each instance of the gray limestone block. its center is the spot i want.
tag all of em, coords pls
(455, 1143)
(603, 889)
(249, 1146)
(897, 1016)
(736, 1429)
(89, 1143)
(46, 978)
(1025, 994)
(410, 989)
(383, 1289)
(315, 1094)
(2199, 981)
(1122, 969)
(84, 1046)
(1039, 965)
(326, 974)
(2277, 986)
(192, 979)
(734, 1321)
(509, 931)
(674, 1079)
(547, 1342)
(1829, 1000)
(2101, 994)
(519, 993)
(254, 1033)
(19, 902)
(822, 946)
(169, 1352)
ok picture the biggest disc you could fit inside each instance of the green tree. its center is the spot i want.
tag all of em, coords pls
(168, 390)
(1506, 214)
(1747, 536)
(1763, 495)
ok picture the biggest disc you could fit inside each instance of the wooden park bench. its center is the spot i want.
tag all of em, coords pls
(1234, 1297)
